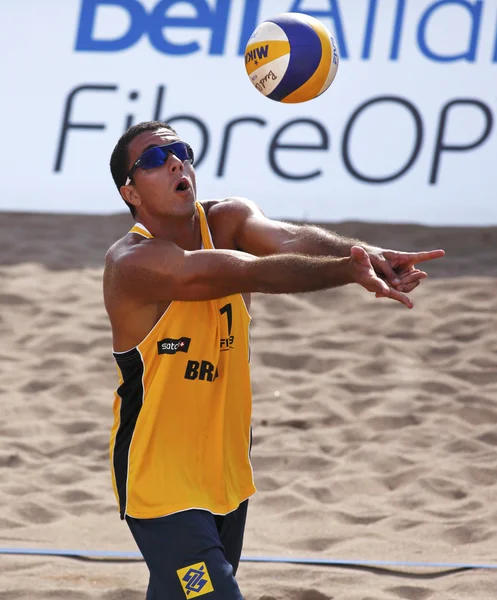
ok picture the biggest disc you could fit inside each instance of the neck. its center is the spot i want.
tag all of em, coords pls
(183, 231)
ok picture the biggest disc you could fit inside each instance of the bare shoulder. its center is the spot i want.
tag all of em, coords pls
(134, 253)
(230, 214)
(116, 250)
(232, 207)
(227, 218)
(121, 251)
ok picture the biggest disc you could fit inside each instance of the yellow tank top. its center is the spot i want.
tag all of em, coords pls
(181, 434)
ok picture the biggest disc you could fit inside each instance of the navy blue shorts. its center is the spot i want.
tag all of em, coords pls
(192, 553)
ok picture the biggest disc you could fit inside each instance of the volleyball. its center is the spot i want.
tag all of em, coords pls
(291, 58)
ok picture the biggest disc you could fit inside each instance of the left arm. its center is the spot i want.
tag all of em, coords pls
(258, 235)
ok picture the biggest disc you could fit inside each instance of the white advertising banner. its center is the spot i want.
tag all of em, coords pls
(404, 134)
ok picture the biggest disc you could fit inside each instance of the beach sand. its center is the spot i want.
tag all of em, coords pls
(374, 426)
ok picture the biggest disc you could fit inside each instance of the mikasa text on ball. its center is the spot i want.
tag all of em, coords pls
(291, 58)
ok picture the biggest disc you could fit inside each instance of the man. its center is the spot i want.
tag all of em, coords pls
(177, 291)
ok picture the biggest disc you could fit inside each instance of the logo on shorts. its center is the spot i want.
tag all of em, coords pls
(170, 346)
(195, 580)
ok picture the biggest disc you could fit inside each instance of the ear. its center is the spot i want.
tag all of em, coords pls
(130, 195)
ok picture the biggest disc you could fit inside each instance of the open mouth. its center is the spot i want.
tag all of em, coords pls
(182, 186)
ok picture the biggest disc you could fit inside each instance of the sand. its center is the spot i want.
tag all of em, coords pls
(374, 426)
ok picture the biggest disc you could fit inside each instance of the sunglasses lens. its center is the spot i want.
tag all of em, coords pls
(189, 151)
(181, 150)
(155, 157)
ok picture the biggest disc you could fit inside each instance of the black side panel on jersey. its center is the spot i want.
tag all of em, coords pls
(131, 394)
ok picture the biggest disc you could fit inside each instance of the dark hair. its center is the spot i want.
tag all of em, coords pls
(119, 158)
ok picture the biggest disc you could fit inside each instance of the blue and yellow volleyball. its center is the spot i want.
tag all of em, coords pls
(291, 58)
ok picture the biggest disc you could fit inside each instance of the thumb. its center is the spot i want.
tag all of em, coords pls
(359, 254)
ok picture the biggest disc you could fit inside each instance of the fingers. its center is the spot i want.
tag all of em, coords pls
(374, 284)
(390, 264)
(383, 268)
(398, 296)
(366, 276)
(398, 269)
(410, 280)
(414, 258)
(408, 288)
(379, 286)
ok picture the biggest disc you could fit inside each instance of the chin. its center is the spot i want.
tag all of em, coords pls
(185, 205)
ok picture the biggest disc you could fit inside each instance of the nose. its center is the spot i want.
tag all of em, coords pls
(174, 163)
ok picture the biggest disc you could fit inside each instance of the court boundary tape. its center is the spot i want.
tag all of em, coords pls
(125, 556)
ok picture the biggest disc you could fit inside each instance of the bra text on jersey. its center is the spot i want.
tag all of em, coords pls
(203, 370)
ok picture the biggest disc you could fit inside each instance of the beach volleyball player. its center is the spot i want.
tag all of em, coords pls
(177, 291)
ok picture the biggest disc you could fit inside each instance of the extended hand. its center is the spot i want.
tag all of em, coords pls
(364, 274)
(398, 268)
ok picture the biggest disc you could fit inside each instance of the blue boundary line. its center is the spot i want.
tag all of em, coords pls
(116, 554)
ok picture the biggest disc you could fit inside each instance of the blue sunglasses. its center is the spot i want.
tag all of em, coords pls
(157, 156)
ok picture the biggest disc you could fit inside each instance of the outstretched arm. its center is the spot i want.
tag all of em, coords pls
(261, 236)
(159, 271)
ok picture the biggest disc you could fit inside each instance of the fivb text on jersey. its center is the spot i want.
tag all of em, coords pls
(411, 25)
